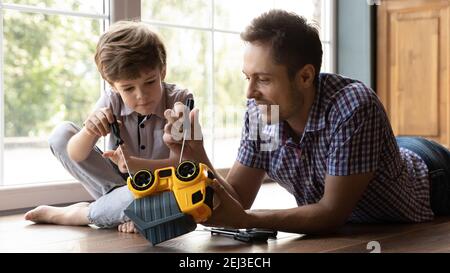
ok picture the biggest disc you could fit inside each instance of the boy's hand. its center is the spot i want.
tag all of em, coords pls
(174, 132)
(118, 159)
(98, 123)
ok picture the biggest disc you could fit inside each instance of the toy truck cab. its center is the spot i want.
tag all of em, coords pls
(188, 181)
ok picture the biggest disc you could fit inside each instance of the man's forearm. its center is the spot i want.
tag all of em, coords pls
(309, 219)
(203, 158)
(137, 164)
(229, 188)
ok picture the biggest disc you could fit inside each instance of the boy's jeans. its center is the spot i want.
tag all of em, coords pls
(437, 159)
(98, 175)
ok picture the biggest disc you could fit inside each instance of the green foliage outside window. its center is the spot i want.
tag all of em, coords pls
(49, 71)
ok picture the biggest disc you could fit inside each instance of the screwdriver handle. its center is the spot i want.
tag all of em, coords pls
(116, 131)
(190, 103)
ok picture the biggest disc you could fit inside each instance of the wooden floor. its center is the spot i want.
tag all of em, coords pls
(17, 235)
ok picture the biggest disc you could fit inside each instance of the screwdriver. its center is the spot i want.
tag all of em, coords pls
(119, 141)
(190, 105)
(248, 235)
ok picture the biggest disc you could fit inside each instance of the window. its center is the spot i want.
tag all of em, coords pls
(49, 75)
(205, 56)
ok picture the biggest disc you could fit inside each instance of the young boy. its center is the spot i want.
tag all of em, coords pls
(132, 59)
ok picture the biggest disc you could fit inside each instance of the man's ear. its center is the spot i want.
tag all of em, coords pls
(305, 76)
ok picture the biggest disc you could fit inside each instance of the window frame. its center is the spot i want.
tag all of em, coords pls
(51, 193)
(327, 18)
(30, 195)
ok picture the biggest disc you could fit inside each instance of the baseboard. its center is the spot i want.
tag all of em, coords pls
(32, 195)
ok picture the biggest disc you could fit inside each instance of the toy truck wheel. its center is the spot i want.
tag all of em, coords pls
(142, 180)
(187, 171)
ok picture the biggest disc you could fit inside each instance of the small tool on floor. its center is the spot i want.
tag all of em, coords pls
(119, 141)
(247, 235)
(190, 104)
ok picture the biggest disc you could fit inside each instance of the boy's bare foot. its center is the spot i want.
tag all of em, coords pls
(73, 215)
(127, 227)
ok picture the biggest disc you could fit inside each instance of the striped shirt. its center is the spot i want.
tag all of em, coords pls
(347, 132)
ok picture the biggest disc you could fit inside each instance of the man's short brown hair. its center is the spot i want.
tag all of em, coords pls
(294, 42)
(127, 48)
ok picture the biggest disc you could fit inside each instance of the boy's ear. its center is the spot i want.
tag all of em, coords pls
(163, 73)
(113, 88)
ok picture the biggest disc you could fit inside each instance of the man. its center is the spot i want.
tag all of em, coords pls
(337, 153)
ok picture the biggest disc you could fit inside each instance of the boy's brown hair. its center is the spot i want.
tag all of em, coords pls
(294, 42)
(127, 48)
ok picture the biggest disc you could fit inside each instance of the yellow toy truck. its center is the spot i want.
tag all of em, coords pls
(170, 201)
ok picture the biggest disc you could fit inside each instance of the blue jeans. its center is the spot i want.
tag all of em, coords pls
(99, 177)
(437, 159)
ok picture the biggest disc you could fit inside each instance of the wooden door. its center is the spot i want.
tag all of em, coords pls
(413, 66)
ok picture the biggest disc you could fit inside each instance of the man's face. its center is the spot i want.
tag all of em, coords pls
(269, 84)
(144, 93)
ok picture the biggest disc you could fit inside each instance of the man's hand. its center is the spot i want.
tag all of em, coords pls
(229, 212)
(341, 195)
(98, 122)
(118, 159)
(174, 133)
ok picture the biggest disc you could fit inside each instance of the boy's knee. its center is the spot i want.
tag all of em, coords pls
(108, 210)
(60, 136)
(99, 219)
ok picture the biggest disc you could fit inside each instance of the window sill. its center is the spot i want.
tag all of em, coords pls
(32, 195)
(52, 193)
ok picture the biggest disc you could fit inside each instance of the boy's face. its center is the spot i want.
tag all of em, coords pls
(144, 93)
(269, 84)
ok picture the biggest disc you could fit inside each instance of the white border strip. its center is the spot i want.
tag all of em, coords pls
(212, 95)
(165, 24)
(2, 105)
(330, 7)
(25, 8)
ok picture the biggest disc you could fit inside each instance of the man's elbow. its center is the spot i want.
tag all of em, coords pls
(325, 228)
(332, 221)
(332, 216)
(333, 226)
